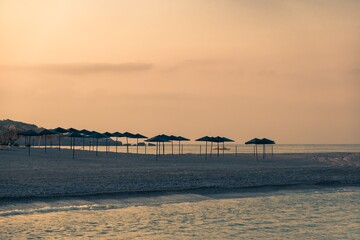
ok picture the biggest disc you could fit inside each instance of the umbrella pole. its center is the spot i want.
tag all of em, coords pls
(205, 149)
(235, 150)
(116, 143)
(145, 148)
(223, 149)
(200, 149)
(179, 147)
(106, 146)
(263, 151)
(74, 148)
(29, 144)
(97, 145)
(156, 153)
(137, 146)
(218, 150)
(127, 145)
(45, 142)
(163, 148)
(172, 147)
(182, 149)
(272, 150)
(59, 141)
(256, 152)
(211, 147)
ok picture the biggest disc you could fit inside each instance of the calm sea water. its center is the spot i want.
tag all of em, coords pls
(235, 148)
(297, 214)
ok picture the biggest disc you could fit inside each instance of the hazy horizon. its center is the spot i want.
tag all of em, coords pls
(286, 70)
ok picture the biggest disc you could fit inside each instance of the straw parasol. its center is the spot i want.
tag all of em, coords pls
(137, 136)
(182, 139)
(172, 138)
(96, 135)
(254, 141)
(218, 140)
(205, 139)
(29, 134)
(117, 135)
(45, 133)
(73, 136)
(127, 135)
(85, 134)
(59, 131)
(158, 139)
(266, 141)
(225, 139)
(108, 136)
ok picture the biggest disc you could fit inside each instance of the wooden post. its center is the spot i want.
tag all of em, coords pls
(223, 149)
(205, 149)
(137, 146)
(127, 145)
(73, 148)
(264, 151)
(256, 152)
(97, 145)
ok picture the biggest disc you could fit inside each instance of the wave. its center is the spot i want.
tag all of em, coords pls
(153, 198)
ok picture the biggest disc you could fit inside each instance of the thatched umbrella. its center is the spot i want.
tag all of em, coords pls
(96, 135)
(29, 134)
(158, 139)
(117, 135)
(254, 141)
(172, 138)
(108, 136)
(73, 136)
(59, 131)
(70, 130)
(218, 140)
(182, 139)
(86, 134)
(45, 133)
(128, 135)
(165, 139)
(137, 136)
(225, 139)
(205, 139)
(266, 141)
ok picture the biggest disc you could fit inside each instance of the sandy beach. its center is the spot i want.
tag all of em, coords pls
(56, 174)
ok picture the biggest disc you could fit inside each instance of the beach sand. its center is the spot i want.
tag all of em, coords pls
(56, 174)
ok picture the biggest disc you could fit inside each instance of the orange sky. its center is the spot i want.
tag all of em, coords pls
(287, 70)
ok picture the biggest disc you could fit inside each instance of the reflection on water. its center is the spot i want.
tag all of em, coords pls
(330, 214)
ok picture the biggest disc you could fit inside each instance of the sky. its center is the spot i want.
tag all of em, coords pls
(285, 70)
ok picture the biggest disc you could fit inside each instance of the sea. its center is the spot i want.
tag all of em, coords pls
(229, 148)
(312, 213)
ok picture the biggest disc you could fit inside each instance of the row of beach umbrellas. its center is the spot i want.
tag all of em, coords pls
(73, 133)
(159, 140)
